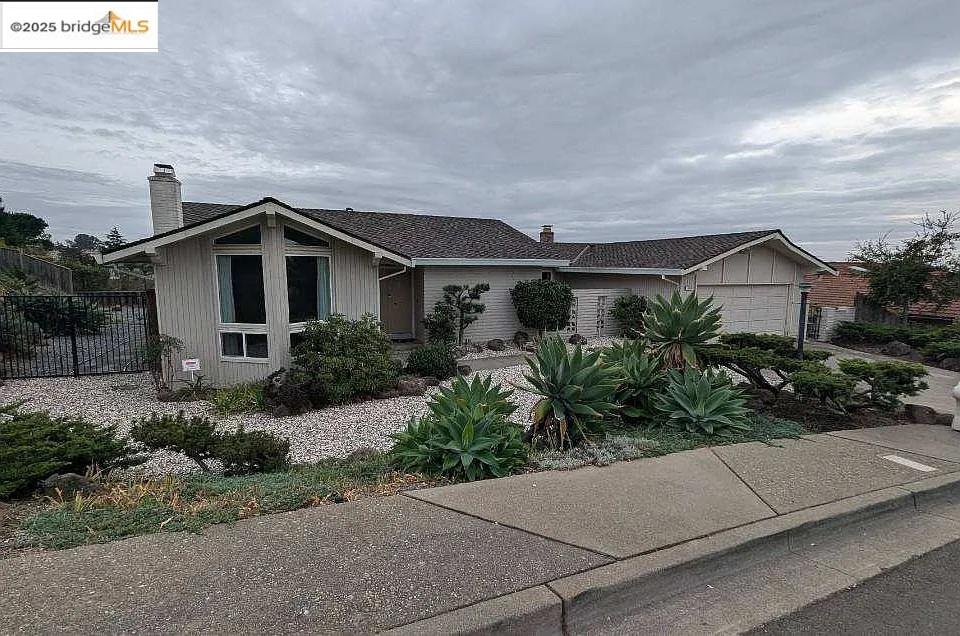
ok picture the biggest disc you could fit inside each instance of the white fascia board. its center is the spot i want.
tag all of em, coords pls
(650, 271)
(150, 247)
(490, 262)
(784, 242)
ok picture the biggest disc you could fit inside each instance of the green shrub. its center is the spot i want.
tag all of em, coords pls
(642, 380)
(466, 435)
(679, 328)
(628, 311)
(243, 452)
(246, 397)
(464, 301)
(339, 360)
(197, 437)
(441, 325)
(19, 337)
(887, 380)
(766, 361)
(941, 349)
(59, 315)
(437, 360)
(35, 445)
(703, 403)
(543, 305)
(870, 333)
(576, 391)
(835, 391)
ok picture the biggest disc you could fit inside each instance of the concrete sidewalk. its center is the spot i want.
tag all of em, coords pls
(482, 554)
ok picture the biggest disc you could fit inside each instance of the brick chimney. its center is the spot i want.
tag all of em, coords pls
(166, 206)
(546, 234)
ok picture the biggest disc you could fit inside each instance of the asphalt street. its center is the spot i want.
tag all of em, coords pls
(921, 596)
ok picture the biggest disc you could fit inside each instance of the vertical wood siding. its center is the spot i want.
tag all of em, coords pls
(187, 307)
(500, 318)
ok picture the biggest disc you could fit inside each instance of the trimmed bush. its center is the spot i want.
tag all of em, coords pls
(339, 360)
(19, 336)
(198, 438)
(543, 305)
(628, 311)
(35, 445)
(942, 349)
(441, 325)
(888, 380)
(437, 360)
(869, 333)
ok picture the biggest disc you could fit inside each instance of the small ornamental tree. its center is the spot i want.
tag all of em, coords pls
(543, 305)
(628, 312)
(465, 300)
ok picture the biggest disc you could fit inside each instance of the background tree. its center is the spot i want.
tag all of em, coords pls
(113, 239)
(22, 229)
(924, 267)
(465, 300)
(542, 304)
(80, 248)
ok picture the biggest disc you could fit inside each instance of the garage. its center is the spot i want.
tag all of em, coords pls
(756, 308)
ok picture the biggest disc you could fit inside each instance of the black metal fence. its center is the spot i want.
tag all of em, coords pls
(814, 320)
(84, 334)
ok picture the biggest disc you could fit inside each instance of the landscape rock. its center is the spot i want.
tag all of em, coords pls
(429, 380)
(67, 485)
(577, 339)
(920, 414)
(464, 369)
(363, 454)
(521, 338)
(896, 348)
(950, 364)
(496, 344)
(411, 386)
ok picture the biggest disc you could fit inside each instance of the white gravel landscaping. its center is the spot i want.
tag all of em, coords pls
(331, 432)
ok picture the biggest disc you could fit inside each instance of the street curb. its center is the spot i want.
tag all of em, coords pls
(590, 598)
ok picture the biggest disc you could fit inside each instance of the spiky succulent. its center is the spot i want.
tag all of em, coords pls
(677, 328)
(576, 390)
(642, 380)
(702, 402)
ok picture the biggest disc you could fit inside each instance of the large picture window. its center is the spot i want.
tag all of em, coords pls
(308, 287)
(240, 284)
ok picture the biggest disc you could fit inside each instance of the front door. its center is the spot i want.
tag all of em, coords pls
(396, 305)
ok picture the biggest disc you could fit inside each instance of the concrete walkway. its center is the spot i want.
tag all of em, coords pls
(445, 558)
(939, 396)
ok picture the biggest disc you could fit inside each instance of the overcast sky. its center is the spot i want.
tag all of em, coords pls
(834, 121)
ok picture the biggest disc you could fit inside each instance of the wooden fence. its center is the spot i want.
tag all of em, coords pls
(49, 274)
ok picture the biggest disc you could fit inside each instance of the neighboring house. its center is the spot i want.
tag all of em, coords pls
(843, 298)
(237, 283)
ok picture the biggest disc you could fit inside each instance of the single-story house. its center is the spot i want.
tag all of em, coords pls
(843, 298)
(237, 283)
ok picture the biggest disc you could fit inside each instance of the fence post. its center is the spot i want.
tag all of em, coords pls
(71, 316)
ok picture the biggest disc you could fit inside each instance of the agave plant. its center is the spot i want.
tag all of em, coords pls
(576, 391)
(465, 396)
(465, 436)
(702, 402)
(642, 380)
(678, 327)
(616, 352)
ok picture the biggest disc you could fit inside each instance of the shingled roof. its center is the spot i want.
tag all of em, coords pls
(669, 253)
(412, 235)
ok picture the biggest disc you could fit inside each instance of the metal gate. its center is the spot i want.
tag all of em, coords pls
(84, 334)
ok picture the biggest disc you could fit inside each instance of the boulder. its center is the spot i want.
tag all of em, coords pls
(944, 419)
(286, 394)
(496, 344)
(577, 339)
(521, 338)
(411, 386)
(950, 364)
(925, 415)
(363, 454)
(67, 485)
(464, 369)
(896, 348)
(429, 380)
(529, 347)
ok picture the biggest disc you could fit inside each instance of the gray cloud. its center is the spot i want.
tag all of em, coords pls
(611, 120)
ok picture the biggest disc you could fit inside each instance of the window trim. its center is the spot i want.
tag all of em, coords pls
(243, 328)
(305, 250)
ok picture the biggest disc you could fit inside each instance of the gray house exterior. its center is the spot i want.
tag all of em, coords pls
(237, 283)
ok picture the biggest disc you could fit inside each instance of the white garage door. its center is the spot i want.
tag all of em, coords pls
(756, 308)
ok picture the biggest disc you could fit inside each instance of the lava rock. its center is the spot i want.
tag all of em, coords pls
(411, 386)
(429, 380)
(924, 414)
(67, 485)
(464, 369)
(496, 344)
(950, 364)
(521, 338)
(897, 348)
(577, 339)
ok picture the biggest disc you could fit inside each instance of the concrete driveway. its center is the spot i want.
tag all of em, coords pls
(939, 396)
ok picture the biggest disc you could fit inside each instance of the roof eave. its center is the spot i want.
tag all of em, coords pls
(489, 262)
(790, 245)
(651, 271)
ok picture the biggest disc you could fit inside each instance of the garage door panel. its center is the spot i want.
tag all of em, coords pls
(758, 308)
